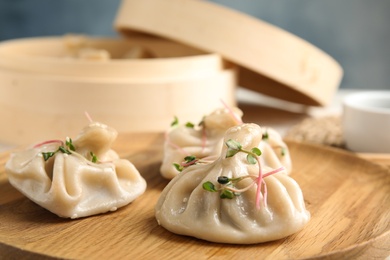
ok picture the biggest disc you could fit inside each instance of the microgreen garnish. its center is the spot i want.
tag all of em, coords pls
(47, 155)
(251, 157)
(223, 180)
(235, 147)
(227, 186)
(64, 149)
(188, 161)
(226, 194)
(190, 125)
(94, 158)
(69, 143)
(209, 186)
(175, 121)
(192, 160)
(284, 151)
(178, 167)
(265, 135)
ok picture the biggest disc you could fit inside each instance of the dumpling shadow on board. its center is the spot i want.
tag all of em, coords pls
(8, 194)
(15, 206)
(11, 252)
(23, 210)
(177, 239)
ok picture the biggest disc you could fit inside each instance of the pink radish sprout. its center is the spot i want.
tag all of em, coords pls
(48, 142)
(232, 114)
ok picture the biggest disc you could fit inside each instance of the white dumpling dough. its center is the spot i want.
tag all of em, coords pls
(185, 208)
(207, 141)
(71, 185)
(275, 151)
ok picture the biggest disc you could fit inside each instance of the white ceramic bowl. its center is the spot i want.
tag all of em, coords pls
(366, 121)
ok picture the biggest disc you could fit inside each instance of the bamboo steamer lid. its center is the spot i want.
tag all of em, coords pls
(270, 60)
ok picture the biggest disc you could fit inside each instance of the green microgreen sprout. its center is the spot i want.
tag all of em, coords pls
(178, 167)
(265, 135)
(69, 143)
(190, 125)
(223, 180)
(192, 160)
(209, 186)
(235, 147)
(283, 151)
(188, 160)
(227, 186)
(175, 121)
(94, 158)
(226, 194)
(46, 156)
(66, 149)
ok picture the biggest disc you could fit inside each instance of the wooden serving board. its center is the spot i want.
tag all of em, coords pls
(348, 197)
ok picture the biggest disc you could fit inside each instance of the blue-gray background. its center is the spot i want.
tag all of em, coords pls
(355, 32)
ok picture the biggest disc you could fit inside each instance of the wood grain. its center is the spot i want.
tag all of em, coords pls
(348, 197)
(377, 158)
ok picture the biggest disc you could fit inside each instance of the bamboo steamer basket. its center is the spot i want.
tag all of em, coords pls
(44, 92)
(270, 60)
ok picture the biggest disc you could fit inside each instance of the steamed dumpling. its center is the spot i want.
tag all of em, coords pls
(186, 208)
(206, 142)
(71, 184)
(203, 142)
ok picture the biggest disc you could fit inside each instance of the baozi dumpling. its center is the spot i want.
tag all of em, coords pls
(76, 178)
(187, 207)
(204, 141)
